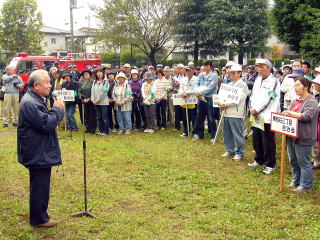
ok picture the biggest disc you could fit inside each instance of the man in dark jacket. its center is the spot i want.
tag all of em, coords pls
(38, 146)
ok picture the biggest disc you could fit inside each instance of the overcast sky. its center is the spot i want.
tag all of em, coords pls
(55, 13)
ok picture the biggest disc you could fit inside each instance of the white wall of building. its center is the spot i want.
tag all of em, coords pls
(53, 42)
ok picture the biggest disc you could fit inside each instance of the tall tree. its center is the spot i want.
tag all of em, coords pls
(20, 24)
(296, 22)
(239, 25)
(189, 26)
(145, 24)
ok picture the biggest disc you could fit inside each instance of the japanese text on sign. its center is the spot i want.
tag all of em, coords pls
(284, 125)
(229, 94)
(65, 95)
(179, 100)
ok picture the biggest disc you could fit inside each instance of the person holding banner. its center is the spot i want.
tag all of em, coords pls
(185, 90)
(205, 86)
(305, 108)
(70, 84)
(265, 99)
(99, 97)
(233, 137)
(148, 90)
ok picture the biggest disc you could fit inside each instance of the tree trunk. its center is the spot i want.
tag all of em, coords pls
(152, 57)
(240, 57)
(196, 53)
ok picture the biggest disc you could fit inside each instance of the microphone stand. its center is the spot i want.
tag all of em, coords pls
(86, 212)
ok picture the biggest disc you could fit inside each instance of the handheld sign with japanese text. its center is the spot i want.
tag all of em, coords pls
(229, 94)
(284, 125)
(65, 95)
(287, 126)
(179, 100)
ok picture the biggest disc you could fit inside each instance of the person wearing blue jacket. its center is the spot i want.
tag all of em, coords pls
(38, 145)
(205, 86)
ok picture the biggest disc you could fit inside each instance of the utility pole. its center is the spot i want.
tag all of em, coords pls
(73, 5)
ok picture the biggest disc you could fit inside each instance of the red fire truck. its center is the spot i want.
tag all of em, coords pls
(23, 64)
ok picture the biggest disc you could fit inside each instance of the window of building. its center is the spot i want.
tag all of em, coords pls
(53, 40)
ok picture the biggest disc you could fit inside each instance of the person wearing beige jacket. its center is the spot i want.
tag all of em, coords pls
(122, 96)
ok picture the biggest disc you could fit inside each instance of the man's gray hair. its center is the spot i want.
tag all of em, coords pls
(37, 76)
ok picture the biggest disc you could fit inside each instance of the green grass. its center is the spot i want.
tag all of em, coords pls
(158, 186)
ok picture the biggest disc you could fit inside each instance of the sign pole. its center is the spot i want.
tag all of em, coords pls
(283, 162)
(218, 129)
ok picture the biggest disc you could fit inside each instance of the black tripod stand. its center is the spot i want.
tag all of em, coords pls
(86, 212)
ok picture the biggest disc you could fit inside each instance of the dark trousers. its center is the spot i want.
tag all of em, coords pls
(136, 114)
(110, 111)
(161, 109)
(102, 114)
(90, 117)
(191, 117)
(178, 116)
(264, 146)
(39, 195)
(80, 110)
(205, 109)
(150, 111)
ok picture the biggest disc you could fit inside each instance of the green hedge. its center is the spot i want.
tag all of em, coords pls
(251, 61)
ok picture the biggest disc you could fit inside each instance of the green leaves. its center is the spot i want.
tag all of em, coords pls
(239, 26)
(296, 22)
(20, 24)
(144, 24)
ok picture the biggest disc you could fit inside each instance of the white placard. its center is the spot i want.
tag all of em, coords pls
(65, 95)
(178, 100)
(229, 94)
(284, 125)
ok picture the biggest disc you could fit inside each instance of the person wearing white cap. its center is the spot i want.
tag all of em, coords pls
(287, 86)
(180, 70)
(227, 78)
(185, 90)
(135, 85)
(127, 70)
(232, 123)
(316, 146)
(191, 64)
(153, 72)
(122, 96)
(265, 99)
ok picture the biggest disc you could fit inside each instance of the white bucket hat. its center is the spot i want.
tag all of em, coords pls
(316, 80)
(121, 75)
(134, 71)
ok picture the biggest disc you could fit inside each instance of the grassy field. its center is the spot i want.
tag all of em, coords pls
(158, 186)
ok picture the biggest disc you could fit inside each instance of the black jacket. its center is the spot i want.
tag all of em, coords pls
(38, 145)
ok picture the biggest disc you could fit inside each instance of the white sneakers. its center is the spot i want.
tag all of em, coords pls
(226, 154)
(237, 158)
(254, 164)
(148, 131)
(267, 170)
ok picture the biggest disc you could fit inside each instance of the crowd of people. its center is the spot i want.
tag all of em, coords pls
(124, 99)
